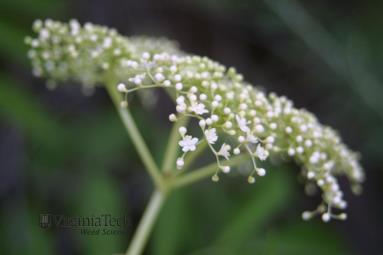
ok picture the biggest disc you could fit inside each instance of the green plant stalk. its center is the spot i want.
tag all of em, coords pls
(136, 137)
(162, 186)
(147, 221)
(172, 147)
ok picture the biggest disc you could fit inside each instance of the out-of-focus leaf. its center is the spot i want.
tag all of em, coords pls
(102, 139)
(271, 194)
(23, 108)
(302, 238)
(12, 41)
(171, 230)
(21, 233)
(98, 195)
(33, 8)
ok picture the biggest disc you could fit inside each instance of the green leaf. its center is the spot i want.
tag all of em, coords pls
(269, 196)
(171, 230)
(305, 238)
(19, 106)
(99, 196)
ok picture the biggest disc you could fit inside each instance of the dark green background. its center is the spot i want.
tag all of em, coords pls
(64, 153)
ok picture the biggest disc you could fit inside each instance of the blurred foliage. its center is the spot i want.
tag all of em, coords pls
(79, 160)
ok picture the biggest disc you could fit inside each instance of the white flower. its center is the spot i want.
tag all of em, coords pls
(198, 108)
(224, 151)
(242, 123)
(211, 135)
(261, 153)
(188, 143)
(251, 138)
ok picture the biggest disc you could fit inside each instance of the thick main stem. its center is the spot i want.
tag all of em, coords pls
(145, 226)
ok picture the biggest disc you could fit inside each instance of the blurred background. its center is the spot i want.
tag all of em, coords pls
(64, 153)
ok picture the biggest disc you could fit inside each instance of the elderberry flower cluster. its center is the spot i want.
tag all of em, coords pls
(234, 117)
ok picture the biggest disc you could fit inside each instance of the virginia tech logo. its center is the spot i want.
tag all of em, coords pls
(45, 220)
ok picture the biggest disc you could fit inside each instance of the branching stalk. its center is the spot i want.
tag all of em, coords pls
(172, 147)
(136, 137)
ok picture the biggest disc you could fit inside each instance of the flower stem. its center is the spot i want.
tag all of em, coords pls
(145, 226)
(172, 147)
(136, 137)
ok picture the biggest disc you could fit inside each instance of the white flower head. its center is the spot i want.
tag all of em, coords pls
(211, 135)
(261, 152)
(251, 138)
(224, 151)
(242, 123)
(198, 108)
(188, 143)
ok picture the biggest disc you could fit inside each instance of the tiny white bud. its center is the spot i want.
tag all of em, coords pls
(273, 126)
(182, 131)
(215, 178)
(326, 217)
(299, 138)
(261, 171)
(310, 174)
(172, 117)
(202, 123)
(241, 139)
(300, 149)
(145, 55)
(209, 121)
(270, 139)
(306, 215)
(177, 77)
(121, 87)
(236, 151)
(228, 124)
(167, 83)
(215, 118)
(232, 132)
(203, 97)
(159, 77)
(251, 179)
(226, 169)
(180, 163)
(342, 216)
(193, 89)
(259, 128)
(179, 86)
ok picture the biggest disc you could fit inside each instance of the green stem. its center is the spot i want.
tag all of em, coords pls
(204, 172)
(145, 226)
(172, 147)
(136, 137)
